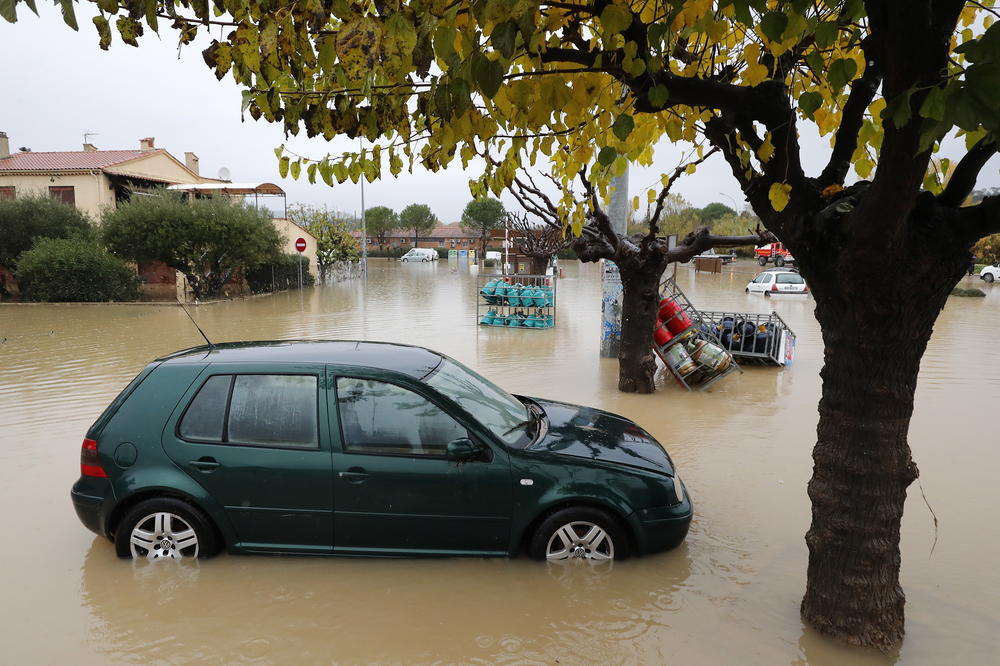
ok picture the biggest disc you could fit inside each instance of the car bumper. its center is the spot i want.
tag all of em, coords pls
(92, 504)
(662, 528)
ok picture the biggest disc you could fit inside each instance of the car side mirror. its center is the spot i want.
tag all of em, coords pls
(463, 449)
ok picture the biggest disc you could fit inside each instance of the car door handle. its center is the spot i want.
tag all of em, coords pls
(205, 464)
(354, 475)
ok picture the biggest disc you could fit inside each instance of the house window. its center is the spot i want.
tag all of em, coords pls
(7, 192)
(65, 194)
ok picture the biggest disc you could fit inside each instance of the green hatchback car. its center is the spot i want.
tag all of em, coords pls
(363, 448)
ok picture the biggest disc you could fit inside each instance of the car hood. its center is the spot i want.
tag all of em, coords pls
(584, 432)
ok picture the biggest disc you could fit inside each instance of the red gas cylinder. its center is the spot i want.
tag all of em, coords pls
(671, 313)
(662, 335)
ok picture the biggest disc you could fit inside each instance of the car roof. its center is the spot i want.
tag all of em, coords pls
(407, 359)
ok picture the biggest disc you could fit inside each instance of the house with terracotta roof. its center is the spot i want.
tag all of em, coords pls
(93, 179)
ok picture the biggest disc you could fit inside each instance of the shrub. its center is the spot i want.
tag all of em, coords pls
(988, 249)
(442, 252)
(64, 269)
(489, 263)
(279, 275)
(26, 219)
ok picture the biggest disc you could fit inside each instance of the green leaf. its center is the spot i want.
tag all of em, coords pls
(461, 96)
(69, 15)
(8, 11)
(809, 102)
(283, 166)
(327, 52)
(607, 156)
(656, 32)
(488, 74)
(103, 30)
(933, 106)
(623, 126)
(842, 71)
(503, 38)
(311, 172)
(615, 18)
(658, 95)
(826, 34)
(295, 169)
(898, 110)
(109, 6)
(773, 24)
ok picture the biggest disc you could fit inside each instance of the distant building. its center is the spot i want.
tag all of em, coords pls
(93, 179)
(448, 236)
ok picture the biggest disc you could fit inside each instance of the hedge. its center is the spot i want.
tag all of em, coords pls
(64, 269)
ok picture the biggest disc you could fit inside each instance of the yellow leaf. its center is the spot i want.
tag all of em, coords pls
(864, 167)
(635, 202)
(766, 150)
(690, 168)
(779, 195)
(650, 196)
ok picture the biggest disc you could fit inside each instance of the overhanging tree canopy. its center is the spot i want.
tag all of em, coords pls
(592, 85)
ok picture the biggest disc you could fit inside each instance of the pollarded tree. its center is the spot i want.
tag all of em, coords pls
(482, 217)
(419, 218)
(205, 239)
(594, 84)
(379, 221)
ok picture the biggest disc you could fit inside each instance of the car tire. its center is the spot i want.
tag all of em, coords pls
(762, 261)
(767, 294)
(779, 261)
(988, 277)
(165, 528)
(580, 532)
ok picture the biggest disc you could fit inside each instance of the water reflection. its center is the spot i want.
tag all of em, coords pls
(489, 611)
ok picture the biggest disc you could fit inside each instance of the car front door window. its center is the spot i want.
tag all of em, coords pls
(384, 419)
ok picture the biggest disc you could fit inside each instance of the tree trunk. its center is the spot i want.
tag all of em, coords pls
(875, 332)
(640, 303)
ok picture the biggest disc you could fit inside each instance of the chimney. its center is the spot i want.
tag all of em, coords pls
(89, 148)
(147, 143)
(4, 145)
(191, 162)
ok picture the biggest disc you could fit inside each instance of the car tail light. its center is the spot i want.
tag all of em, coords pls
(774, 287)
(90, 463)
(805, 289)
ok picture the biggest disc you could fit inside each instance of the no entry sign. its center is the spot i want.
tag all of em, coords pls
(300, 244)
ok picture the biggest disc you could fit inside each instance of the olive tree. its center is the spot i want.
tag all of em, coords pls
(205, 239)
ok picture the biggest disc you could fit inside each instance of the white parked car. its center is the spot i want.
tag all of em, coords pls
(420, 254)
(777, 282)
(990, 273)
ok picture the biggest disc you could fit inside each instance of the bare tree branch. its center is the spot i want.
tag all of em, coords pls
(963, 180)
(846, 140)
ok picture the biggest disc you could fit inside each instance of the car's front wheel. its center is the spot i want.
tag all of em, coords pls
(165, 528)
(988, 277)
(579, 533)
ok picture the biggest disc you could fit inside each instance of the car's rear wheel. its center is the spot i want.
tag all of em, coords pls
(579, 533)
(762, 261)
(165, 528)
(988, 277)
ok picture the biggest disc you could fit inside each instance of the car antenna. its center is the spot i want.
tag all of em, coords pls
(210, 345)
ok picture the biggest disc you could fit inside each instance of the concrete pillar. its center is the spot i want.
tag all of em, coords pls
(611, 282)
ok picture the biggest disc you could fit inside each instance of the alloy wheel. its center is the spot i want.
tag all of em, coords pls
(580, 540)
(163, 535)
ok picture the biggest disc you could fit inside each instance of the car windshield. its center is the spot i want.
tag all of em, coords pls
(789, 278)
(496, 409)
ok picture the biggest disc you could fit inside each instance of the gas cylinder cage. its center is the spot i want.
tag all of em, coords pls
(516, 301)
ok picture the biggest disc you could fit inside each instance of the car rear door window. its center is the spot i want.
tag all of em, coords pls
(789, 278)
(255, 410)
(274, 410)
(381, 418)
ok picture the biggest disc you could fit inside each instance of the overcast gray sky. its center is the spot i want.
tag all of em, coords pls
(56, 84)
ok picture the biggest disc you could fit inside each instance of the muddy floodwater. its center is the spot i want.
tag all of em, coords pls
(729, 595)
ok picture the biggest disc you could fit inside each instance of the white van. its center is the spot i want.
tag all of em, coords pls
(420, 254)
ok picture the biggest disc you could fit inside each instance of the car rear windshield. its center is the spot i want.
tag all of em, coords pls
(789, 278)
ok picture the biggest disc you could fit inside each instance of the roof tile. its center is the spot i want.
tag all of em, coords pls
(81, 159)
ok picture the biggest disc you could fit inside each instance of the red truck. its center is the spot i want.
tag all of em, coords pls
(775, 252)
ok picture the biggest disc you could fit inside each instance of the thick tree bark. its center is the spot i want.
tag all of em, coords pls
(640, 303)
(875, 332)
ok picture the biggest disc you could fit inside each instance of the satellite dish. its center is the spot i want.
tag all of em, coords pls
(224, 174)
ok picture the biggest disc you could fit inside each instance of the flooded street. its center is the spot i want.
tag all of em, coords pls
(729, 595)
